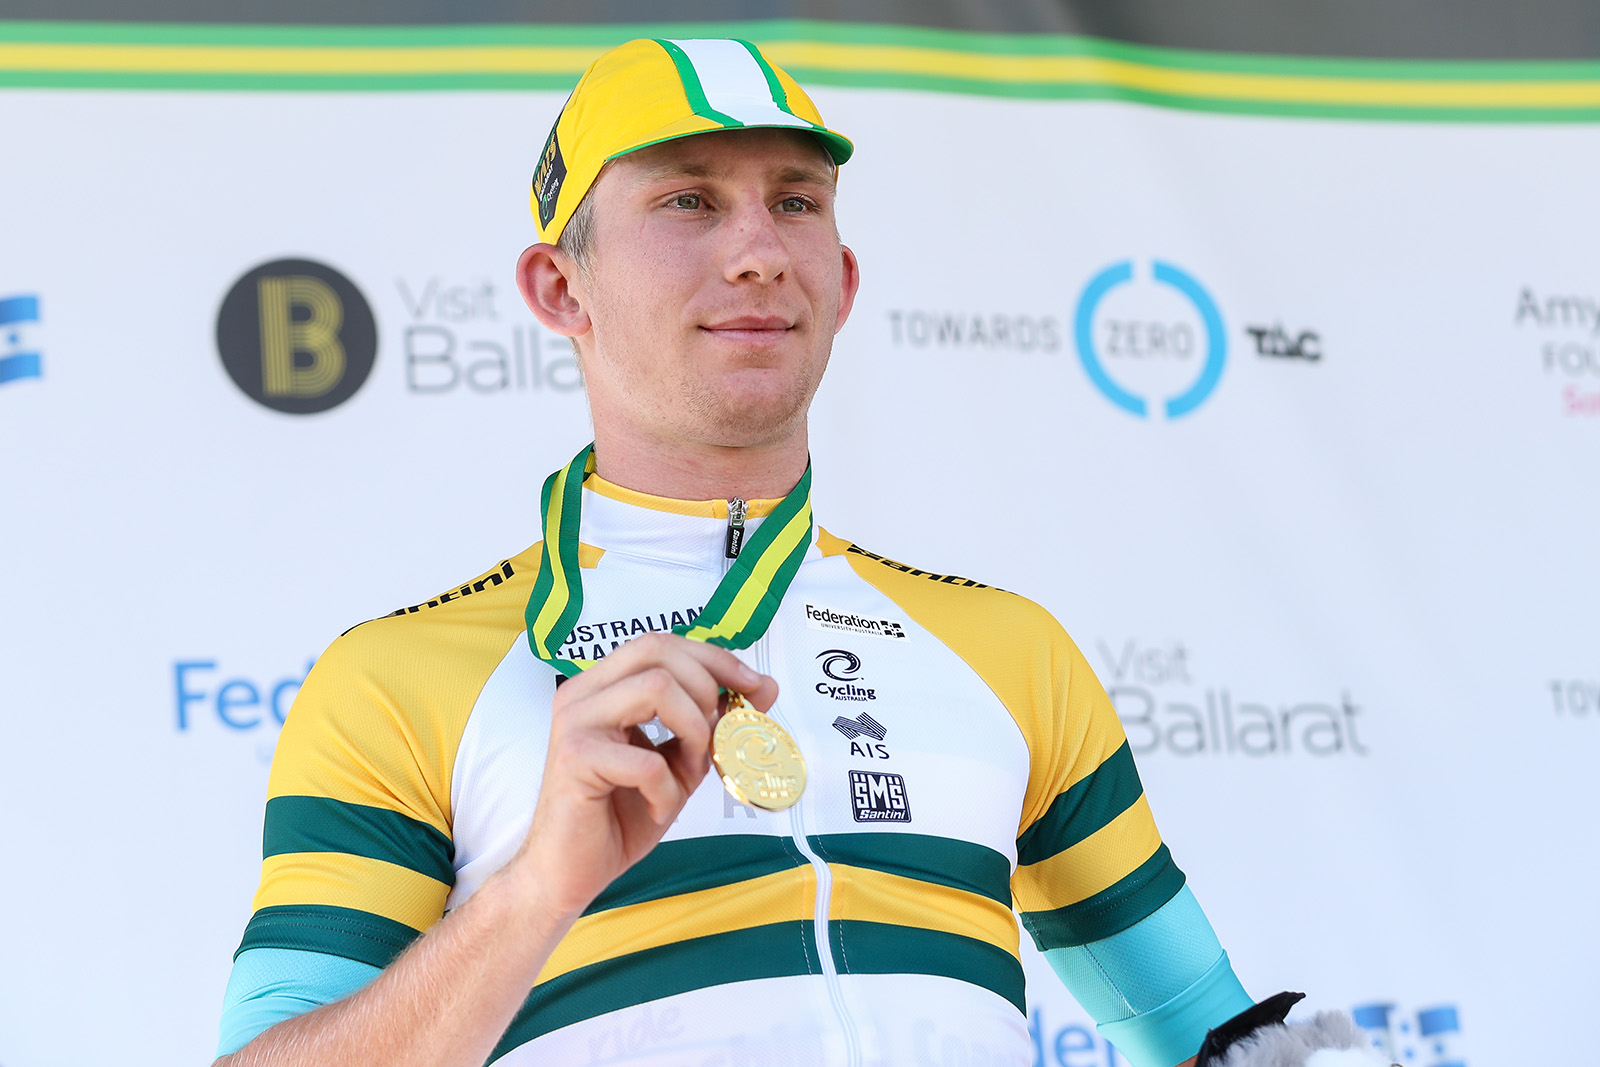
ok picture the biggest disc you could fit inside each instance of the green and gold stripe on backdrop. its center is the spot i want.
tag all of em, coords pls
(93, 55)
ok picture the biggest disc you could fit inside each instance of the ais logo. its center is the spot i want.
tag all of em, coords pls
(1151, 337)
(296, 336)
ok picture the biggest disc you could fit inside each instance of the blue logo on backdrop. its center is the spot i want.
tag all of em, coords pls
(201, 692)
(19, 356)
(1429, 1037)
(1143, 339)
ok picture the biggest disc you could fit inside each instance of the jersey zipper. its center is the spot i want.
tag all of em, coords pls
(735, 540)
(819, 868)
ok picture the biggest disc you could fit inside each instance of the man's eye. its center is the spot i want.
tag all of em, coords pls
(793, 204)
(688, 202)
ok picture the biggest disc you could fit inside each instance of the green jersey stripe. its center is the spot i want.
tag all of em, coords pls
(1079, 812)
(882, 948)
(776, 950)
(355, 935)
(674, 868)
(941, 860)
(692, 88)
(1131, 900)
(322, 824)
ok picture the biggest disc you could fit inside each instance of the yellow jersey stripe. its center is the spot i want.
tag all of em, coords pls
(338, 879)
(1080, 872)
(773, 898)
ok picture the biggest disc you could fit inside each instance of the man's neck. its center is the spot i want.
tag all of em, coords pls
(702, 472)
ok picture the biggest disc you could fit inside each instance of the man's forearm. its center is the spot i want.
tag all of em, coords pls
(444, 1002)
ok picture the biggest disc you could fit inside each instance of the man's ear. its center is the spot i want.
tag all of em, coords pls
(849, 282)
(545, 278)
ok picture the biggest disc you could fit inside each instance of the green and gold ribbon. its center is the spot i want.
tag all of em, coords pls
(740, 609)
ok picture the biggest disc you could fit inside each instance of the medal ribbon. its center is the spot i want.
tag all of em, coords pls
(740, 609)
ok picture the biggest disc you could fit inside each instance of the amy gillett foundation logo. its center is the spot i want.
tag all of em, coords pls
(296, 336)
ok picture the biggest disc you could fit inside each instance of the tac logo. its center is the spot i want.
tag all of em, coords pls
(1430, 1037)
(296, 336)
(19, 355)
(1155, 336)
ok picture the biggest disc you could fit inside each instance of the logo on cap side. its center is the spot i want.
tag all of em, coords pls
(548, 178)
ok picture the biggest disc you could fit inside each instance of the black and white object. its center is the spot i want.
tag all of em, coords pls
(1259, 1037)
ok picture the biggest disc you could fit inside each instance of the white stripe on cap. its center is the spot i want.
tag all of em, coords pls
(734, 83)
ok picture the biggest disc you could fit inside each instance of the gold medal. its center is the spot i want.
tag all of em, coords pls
(759, 762)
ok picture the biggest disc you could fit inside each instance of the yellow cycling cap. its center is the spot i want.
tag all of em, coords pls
(648, 91)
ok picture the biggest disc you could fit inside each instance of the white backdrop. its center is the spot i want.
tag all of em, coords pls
(1386, 547)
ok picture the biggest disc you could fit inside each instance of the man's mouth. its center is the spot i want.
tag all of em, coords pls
(750, 329)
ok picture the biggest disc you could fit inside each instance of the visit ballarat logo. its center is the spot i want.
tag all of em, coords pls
(1167, 706)
(19, 352)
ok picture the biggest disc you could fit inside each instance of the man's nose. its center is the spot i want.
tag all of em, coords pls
(756, 249)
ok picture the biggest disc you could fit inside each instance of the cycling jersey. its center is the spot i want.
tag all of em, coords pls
(962, 761)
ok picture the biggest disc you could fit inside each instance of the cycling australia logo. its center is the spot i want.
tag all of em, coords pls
(296, 336)
(843, 669)
(1150, 342)
(19, 353)
(1429, 1037)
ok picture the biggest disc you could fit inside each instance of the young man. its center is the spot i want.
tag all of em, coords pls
(434, 778)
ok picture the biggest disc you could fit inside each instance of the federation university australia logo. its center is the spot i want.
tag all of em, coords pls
(296, 336)
(19, 355)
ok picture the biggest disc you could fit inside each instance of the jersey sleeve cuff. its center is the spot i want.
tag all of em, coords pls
(1171, 1033)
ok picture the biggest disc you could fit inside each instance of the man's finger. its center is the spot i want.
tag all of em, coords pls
(618, 765)
(655, 693)
(703, 670)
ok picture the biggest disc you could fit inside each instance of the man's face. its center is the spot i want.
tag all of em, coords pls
(716, 282)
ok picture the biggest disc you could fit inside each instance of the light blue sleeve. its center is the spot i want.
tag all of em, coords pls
(269, 985)
(1158, 986)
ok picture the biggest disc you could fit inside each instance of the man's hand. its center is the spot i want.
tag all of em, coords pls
(607, 797)
(608, 794)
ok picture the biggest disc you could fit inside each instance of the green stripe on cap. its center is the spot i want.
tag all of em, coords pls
(774, 86)
(692, 87)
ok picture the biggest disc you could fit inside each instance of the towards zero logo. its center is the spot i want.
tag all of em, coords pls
(296, 336)
(1159, 334)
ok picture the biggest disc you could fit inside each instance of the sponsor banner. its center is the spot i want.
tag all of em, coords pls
(1289, 422)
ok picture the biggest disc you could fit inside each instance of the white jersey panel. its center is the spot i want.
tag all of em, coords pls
(902, 1019)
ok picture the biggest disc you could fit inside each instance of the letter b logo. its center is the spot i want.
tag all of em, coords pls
(296, 336)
